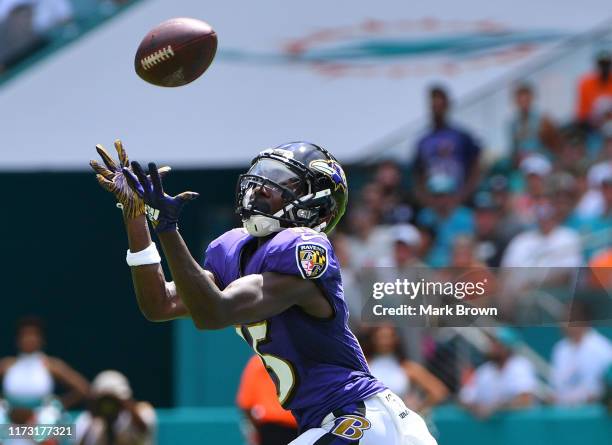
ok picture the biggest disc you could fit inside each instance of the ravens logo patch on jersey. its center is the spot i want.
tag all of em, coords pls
(311, 260)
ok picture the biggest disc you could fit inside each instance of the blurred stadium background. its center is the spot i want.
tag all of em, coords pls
(354, 77)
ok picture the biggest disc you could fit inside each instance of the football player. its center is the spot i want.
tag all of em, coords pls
(276, 280)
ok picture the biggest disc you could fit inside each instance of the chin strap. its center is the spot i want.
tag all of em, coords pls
(260, 225)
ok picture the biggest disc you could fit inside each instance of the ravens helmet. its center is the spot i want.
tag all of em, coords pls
(310, 181)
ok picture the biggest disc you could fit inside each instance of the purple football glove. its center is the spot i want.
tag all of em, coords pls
(161, 209)
(111, 178)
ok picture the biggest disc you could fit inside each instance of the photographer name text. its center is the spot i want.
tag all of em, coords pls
(459, 310)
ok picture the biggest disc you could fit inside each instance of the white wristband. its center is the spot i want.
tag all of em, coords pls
(150, 255)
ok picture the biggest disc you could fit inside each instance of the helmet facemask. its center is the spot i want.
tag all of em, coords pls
(291, 182)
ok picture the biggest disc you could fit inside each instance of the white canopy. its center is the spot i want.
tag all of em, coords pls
(339, 73)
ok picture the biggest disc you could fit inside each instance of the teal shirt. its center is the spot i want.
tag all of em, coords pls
(525, 135)
(459, 222)
(595, 232)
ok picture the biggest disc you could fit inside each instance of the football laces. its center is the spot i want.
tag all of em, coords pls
(157, 57)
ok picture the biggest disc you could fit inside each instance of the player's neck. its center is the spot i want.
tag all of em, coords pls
(263, 239)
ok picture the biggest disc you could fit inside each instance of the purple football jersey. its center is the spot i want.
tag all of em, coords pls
(316, 364)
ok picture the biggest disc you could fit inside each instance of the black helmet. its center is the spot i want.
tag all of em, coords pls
(310, 180)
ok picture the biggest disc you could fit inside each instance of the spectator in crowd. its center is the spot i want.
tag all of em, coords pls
(592, 203)
(565, 197)
(393, 200)
(463, 255)
(28, 383)
(412, 382)
(593, 231)
(404, 262)
(593, 86)
(268, 422)
(589, 201)
(580, 360)
(547, 245)
(535, 170)
(465, 264)
(573, 148)
(490, 241)
(445, 217)
(596, 231)
(545, 256)
(368, 241)
(389, 176)
(601, 269)
(465, 267)
(427, 235)
(405, 251)
(604, 178)
(506, 380)
(50, 414)
(531, 132)
(373, 199)
(29, 378)
(509, 222)
(446, 150)
(113, 416)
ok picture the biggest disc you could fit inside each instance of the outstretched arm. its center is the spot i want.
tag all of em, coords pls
(247, 299)
(156, 298)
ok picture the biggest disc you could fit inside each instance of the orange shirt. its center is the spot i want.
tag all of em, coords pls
(590, 88)
(257, 394)
(601, 266)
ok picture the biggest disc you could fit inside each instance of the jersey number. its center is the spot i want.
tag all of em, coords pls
(280, 370)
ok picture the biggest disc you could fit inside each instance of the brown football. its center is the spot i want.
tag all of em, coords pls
(176, 52)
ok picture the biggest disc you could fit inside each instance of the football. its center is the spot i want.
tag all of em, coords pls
(176, 52)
